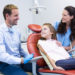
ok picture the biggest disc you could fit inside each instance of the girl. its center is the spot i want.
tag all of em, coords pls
(56, 54)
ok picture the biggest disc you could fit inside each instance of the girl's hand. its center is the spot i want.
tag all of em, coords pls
(58, 68)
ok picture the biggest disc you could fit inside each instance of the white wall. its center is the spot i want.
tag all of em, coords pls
(24, 14)
(53, 12)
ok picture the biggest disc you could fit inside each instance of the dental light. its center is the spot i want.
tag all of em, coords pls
(36, 8)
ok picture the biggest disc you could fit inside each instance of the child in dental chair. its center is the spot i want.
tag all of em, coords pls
(58, 57)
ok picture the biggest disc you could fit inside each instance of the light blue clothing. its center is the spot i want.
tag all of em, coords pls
(63, 38)
(73, 48)
(10, 45)
(73, 52)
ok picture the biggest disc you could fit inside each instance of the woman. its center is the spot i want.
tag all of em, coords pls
(66, 28)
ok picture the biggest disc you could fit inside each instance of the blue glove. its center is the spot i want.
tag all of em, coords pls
(28, 58)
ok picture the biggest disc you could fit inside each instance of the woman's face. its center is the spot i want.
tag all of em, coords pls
(66, 18)
(46, 33)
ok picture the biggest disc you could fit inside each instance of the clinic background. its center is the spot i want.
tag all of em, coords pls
(51, 14)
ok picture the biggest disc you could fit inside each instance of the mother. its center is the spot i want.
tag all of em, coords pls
(66, 28)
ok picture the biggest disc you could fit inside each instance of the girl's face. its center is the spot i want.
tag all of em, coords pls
(66, 18)
(45, 32)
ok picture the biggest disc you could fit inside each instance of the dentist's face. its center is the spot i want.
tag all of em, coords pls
(66, 18)
(14, 17)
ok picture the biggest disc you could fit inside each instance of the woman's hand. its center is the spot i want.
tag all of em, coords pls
(73, 43)
(67, 48)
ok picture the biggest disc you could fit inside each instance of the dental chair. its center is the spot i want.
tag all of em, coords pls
(38, 59)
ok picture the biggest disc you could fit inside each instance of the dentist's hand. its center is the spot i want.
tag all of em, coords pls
(27, 58)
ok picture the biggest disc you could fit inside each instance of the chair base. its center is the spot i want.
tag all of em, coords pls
(56, 72)
(29, 73)
(1, 73)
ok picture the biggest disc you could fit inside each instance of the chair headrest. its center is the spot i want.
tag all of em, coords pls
(34, 27)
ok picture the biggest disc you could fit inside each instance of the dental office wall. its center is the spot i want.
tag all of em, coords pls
(53, 10)
(51, 14)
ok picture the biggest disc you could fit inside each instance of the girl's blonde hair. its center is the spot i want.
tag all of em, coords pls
(51, 29)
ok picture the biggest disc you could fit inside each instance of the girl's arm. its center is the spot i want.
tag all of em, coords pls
(54, 65)
(52, 62)
(42, 50)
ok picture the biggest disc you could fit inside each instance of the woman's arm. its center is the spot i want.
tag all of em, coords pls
(52, 62)
(66, 48)
(72, 43)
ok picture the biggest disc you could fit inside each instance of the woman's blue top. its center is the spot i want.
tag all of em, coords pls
(63, 38)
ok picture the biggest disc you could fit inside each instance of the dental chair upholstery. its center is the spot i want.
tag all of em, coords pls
(32, 48)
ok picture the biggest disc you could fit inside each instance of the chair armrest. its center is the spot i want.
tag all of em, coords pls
(33, 61)
(36, 58)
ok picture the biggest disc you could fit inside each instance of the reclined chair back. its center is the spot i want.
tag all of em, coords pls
(32, 42)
